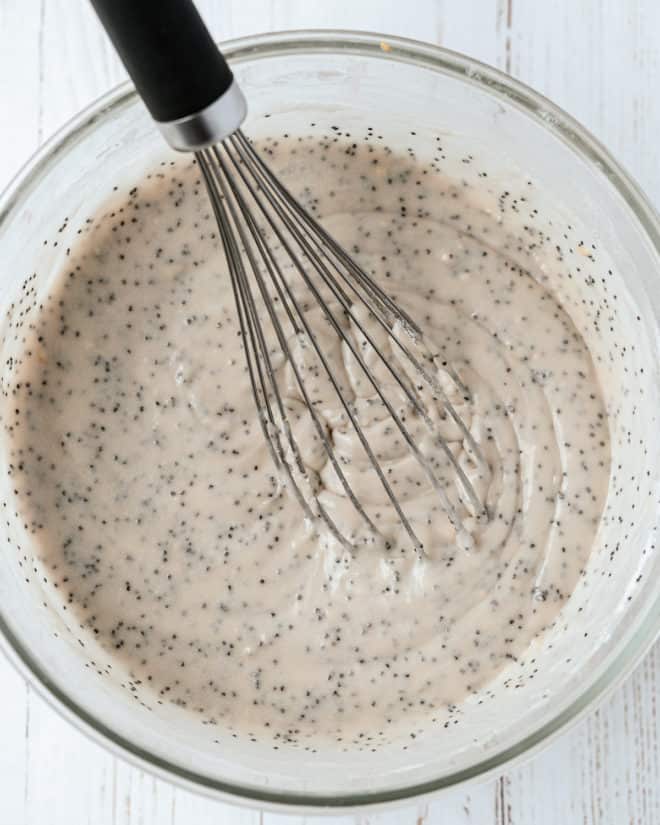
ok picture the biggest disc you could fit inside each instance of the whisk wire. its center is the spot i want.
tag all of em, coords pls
(389, 311)
(272, 268)
(254, 342)
(329, 281)
(360, 276)
(273, 189)
(233, 170)
(322, 239)
(323, 360)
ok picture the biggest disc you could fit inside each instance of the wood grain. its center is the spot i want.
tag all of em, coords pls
(599, 59)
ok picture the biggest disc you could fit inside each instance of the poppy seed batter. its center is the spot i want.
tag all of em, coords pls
(141, 470)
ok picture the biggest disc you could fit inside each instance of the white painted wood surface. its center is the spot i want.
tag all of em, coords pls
(600, 60)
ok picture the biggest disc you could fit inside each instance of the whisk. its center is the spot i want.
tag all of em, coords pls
(277, 251)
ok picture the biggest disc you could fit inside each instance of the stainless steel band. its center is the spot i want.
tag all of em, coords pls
(214, 123)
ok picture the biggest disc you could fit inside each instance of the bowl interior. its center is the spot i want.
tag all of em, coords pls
(606, 279)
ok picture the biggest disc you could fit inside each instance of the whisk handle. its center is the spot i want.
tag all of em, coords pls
(178, 70)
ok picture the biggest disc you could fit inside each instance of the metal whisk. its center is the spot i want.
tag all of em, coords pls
(274, 249)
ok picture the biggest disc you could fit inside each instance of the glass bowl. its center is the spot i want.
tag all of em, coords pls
(413, 94)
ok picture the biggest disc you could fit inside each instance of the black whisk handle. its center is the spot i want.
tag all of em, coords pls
(177, 68)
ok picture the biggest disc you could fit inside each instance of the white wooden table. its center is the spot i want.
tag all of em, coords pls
(600, 60)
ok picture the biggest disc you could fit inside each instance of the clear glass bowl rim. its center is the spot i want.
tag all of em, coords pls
(622, 660)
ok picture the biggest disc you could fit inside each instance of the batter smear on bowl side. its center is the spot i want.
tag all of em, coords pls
(141, 472)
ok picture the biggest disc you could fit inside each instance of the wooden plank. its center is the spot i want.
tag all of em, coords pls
(67, 775)
(601, 62)
(14, 738)
(140, 798)
(19, 28)
(191, 808)
(605, 771)
(78, 62)
(20, 137)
